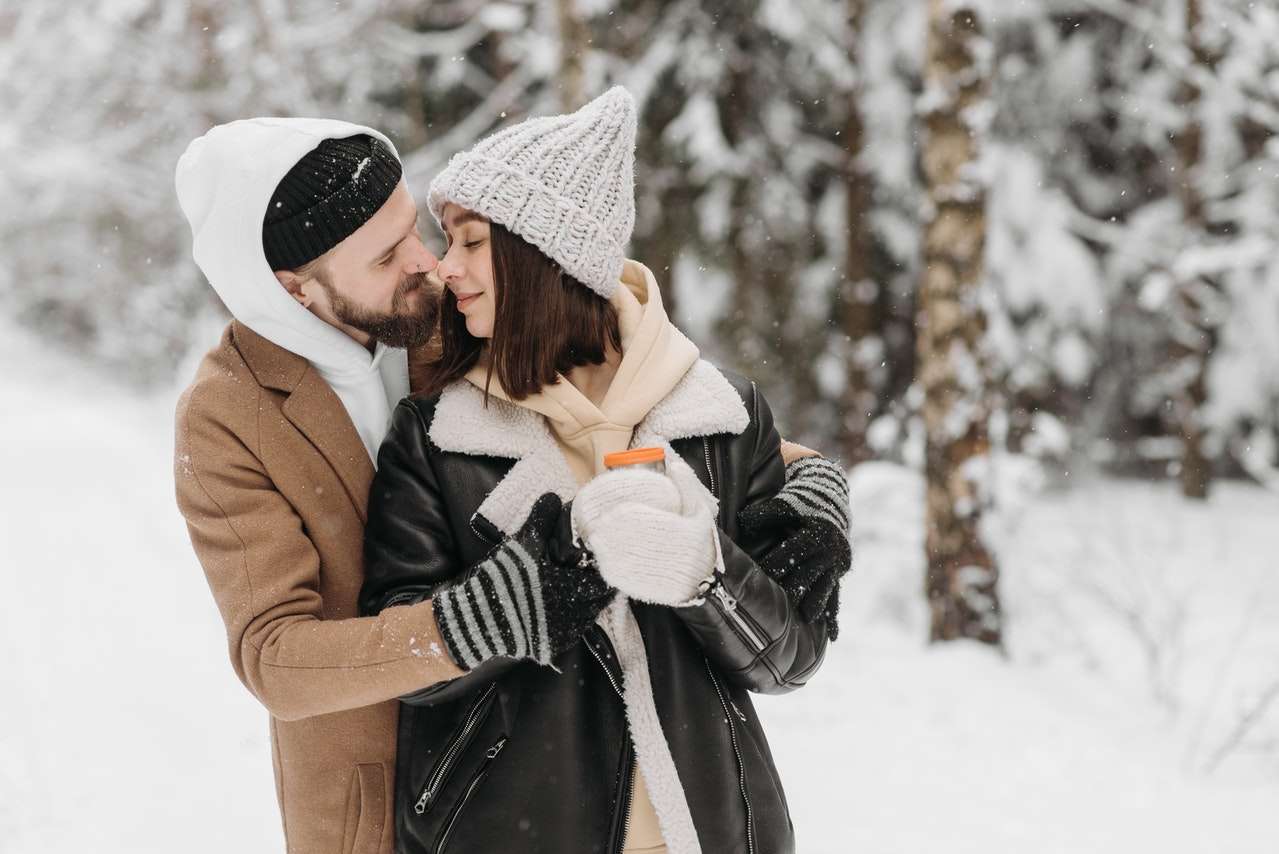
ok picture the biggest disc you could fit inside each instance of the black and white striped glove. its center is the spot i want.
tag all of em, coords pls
(532, 597)
(809, 518)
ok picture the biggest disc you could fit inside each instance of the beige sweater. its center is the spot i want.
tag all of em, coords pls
(655, 357)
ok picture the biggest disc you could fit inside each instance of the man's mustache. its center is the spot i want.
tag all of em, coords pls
(412, 282)
(433, 279)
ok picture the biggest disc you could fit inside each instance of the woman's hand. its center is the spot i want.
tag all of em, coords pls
(653, 535)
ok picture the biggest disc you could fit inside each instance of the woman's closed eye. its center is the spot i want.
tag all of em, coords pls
(471, 244)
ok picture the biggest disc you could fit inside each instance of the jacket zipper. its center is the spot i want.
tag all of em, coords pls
(710, 470)
(476, 779)
(728, 607)
(625, 790)
(433, 783)
(727, 604)
(609, 673)
(741, 765)
(403, 596)
(484, 538)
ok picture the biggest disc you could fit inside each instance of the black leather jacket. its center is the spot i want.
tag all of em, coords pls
(517, 757)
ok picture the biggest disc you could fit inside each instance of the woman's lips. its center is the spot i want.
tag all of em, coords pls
(463, 300)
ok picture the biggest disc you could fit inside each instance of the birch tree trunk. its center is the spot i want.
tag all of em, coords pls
(1194, 327)
(961, 572)
(857, 300)
(573, 43)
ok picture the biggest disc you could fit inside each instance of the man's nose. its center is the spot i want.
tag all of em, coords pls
(426, 261)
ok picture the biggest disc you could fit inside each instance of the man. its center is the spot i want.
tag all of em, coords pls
(305, 229)
(276, 440)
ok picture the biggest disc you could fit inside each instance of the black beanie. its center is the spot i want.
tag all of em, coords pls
(328, 194)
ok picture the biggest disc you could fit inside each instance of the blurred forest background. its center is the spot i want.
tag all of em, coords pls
(979, 250)
(1044, 226)
(1127, 152)
(1126, 164)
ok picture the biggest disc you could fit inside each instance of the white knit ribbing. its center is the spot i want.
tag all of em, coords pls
(566, 184)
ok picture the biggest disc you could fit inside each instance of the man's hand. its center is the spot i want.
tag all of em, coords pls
(532, 597)
(792, 451)
(810, 516)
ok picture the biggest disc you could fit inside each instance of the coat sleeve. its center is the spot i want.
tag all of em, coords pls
(747, 624)
(409, 549)
(264, 573)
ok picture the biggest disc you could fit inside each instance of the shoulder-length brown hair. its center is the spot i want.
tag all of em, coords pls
(545, 322)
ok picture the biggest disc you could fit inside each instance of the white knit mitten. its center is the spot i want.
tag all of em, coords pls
(653, 535)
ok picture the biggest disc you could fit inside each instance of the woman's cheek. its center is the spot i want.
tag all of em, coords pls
(479, 321)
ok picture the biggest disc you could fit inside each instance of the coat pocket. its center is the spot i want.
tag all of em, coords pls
(453, 750)
(477, 778)
(365, 810)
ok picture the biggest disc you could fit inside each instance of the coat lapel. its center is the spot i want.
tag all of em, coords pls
(467, 424)
(314, 408)
(316, 411)
(703, 403)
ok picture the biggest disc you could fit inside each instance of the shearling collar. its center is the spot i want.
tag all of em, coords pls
(703, 403)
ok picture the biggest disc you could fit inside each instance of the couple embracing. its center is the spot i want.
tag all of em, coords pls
(500, 554)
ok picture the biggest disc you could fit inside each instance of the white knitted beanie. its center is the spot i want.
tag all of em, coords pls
(566, 184)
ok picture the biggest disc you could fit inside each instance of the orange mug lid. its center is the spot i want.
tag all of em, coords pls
(635, 456)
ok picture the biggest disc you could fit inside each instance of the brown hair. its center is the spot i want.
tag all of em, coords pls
(545, 322)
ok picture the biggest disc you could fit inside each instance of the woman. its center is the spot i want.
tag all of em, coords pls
(680, 592)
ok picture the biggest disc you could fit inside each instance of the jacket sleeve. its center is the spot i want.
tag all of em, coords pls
(409, 548)
(264, 572)
(747, 624)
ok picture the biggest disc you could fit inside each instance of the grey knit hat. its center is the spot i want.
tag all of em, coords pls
(566, 184)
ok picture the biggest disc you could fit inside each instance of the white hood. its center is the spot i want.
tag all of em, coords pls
(225, 180)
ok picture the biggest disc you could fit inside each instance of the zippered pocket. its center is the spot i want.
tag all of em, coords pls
(476, 779)
(727, 606)
(456, 747)
(723, 599)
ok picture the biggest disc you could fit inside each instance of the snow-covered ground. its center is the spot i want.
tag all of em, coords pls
(1142, 631)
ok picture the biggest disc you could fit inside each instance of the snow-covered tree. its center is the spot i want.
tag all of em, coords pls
(953, 373)
(98, 105)
(1129, 287)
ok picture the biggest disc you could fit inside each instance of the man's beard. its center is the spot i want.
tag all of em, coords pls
(402, 326)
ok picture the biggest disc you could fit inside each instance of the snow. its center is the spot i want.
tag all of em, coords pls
(1061, 746)
(123, 726)
(359, 169)
(698, 128)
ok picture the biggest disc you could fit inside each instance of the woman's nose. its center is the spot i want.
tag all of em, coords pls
(448, 269)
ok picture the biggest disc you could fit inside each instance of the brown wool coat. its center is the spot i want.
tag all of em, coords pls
(273, 482)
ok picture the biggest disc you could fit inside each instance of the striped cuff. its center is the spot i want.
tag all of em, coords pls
(497, 610)
(816, 486)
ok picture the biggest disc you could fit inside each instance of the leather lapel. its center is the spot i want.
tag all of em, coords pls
(702, 404)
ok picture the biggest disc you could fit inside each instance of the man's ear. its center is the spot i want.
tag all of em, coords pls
(293, 283)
